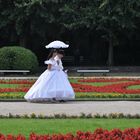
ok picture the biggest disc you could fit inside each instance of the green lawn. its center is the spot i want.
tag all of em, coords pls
(26, 126)
(96, 83)
(134, 87)
(8, 85)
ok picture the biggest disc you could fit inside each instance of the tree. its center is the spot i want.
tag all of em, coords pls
(115, 16)
(109, 17)
(21, 19)
(27, 17)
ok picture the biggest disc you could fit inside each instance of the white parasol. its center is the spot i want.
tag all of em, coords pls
(57, 44)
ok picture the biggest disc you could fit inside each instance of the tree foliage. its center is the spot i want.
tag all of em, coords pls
(22, 18)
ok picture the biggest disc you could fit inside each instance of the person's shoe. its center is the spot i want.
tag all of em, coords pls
(53, 100)
(62, 101)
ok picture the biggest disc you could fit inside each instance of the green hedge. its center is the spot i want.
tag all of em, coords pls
(18, 58)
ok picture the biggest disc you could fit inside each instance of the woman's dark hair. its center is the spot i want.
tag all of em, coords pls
(60, 51)
(51, 53)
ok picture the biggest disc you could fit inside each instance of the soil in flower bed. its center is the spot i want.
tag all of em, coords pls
(56, 126)
(84, 88)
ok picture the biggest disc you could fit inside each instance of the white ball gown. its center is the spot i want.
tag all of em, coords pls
(51, 84)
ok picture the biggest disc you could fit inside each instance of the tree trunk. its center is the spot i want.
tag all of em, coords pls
(110, 50)
(23, 41)
(12, 37)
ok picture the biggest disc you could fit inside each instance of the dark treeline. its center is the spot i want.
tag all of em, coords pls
(107, 32)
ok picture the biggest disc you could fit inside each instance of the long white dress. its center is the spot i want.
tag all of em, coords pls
(51, 84)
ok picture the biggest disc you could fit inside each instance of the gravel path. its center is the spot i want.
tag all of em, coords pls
(71, 108)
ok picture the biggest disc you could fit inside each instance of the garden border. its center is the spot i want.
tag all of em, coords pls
(78, 100)
(74, 77)
(65, 116)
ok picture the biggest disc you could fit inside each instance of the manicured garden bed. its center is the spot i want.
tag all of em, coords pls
(89, 88)
(98, 134)
(63, 126)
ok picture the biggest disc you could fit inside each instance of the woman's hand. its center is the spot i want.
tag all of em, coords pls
(66, 71)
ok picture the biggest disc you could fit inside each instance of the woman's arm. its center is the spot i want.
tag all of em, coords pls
(57, 62)
(49, 66)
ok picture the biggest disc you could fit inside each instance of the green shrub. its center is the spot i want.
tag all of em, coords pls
(18, 58)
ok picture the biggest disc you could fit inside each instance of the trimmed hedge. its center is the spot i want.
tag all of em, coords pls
(65, 116)
(18, 58)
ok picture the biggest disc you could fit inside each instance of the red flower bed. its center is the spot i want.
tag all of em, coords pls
(22, 85)
(111, 88)
(29, 82)
(121, 87)
(18, 89)
(91, 80)
(98, 134)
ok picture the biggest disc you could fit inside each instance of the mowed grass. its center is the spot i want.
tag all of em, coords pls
(88, 83)
(98, 83)
(8, 85)
(51, 126)
(134, 87)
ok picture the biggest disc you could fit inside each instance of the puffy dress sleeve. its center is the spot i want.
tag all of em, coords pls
(48, 62)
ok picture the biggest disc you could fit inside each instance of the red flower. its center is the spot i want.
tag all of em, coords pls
(122, 88)
(98, 134)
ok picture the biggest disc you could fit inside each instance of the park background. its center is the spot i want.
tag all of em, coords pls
(107, 33)
(102, 34)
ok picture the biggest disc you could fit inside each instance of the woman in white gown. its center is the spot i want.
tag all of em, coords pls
(53, 84)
